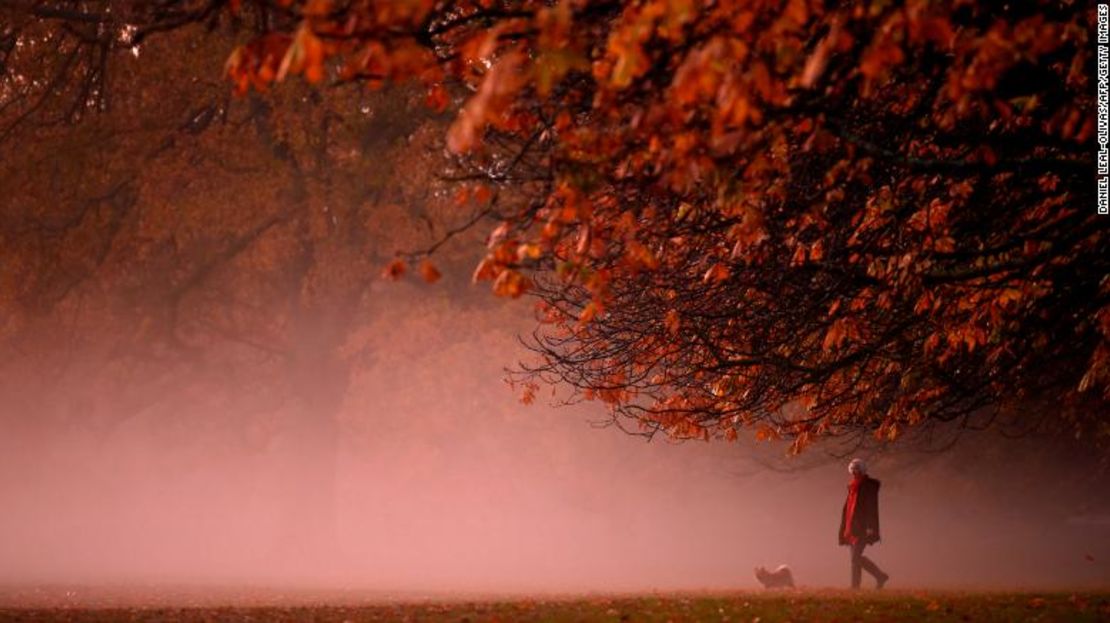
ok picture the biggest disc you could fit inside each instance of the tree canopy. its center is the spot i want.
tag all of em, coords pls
(802, 217)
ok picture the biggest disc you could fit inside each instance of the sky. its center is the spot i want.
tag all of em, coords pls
(442, 482)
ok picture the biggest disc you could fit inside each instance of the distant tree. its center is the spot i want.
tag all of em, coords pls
(191, 258)
(809, 218)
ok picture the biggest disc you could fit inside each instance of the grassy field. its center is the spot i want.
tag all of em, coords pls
(747, 607)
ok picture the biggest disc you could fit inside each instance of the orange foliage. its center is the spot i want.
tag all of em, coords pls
(878, 211)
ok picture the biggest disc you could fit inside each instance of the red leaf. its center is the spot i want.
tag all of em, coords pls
(716, 273)
(436, 98)
(672, 322)
(394, 270)
(428, 272)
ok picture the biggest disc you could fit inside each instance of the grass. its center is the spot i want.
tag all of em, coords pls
(747, 607)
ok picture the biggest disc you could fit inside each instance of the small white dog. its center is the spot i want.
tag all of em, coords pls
(779, 578)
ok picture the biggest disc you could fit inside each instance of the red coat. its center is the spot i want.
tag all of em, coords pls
(865, 516)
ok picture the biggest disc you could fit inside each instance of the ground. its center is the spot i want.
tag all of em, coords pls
(747, 607)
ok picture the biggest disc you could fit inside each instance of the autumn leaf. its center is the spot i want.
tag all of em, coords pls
(510, 283)
(394, 270)
(485, 271)
(836, 334)
(640, 256)
(799, 257)
(672, 322)
(879, 58)
(482, 194)
(428, 272)
(1008, 296)
(528, 394)
(589, 312)
(716, 273)
(436, 98)
(924, 303)
(488, 104)
(765, 433)
(817, 61)
(305, 55)
(628, 60)
(529, 252)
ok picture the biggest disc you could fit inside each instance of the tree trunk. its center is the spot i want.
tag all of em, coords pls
(307, 461)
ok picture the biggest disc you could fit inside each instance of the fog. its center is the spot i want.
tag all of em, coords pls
(441, 481)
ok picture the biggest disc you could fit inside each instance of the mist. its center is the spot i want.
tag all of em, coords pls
(442, 482)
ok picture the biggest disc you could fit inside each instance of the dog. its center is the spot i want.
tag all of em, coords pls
(779, 578)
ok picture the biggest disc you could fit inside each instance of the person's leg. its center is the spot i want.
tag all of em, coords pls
(857, 560)
(872, 568)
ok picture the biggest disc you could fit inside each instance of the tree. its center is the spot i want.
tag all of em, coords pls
(181, 253)
(809, 218)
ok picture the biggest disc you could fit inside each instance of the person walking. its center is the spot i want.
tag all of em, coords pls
(859, 522)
